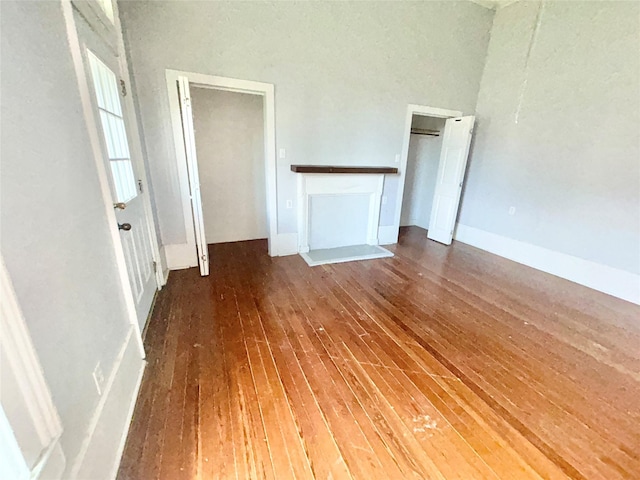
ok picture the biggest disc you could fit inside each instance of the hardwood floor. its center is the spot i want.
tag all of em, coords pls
(439, 363)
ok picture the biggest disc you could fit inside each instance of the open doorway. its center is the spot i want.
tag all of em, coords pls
(229, 136)
(435, 150)
(227, 198)
(425, 145)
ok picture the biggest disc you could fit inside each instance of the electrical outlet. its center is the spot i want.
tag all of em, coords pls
(397, 158)
(512, 210)
(98, 378)
(384, 199)
(282, 153)
(289, 204)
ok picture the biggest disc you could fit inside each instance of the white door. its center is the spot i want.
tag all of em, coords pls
(194, 179)
(125, 175)
(453, 162)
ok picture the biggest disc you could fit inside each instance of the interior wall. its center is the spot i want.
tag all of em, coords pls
(55, 239)
(422, 169)
(230, 147)
(557, 131)
(343, 72)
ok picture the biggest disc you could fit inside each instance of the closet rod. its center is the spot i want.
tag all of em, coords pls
(422, 131)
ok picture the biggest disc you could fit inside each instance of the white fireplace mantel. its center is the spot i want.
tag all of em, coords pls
(339, 184)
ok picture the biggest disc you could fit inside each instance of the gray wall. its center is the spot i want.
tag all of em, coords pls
(230, 147)
(422, 169)
(570, 164)
(55, 239)
(344, 73)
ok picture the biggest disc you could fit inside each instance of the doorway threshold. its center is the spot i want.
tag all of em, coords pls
(349, 253)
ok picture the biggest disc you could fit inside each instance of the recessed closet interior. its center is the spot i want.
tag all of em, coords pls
(229, 138)
(425, 145)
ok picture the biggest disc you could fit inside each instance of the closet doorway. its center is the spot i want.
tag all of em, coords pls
(435, 150)
(425, 145)
(224, 132)
(229, 137)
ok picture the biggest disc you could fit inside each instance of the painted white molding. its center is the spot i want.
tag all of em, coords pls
(180, 255)
(129, 418)
(53, 464)
(267, 91)
(24, 389)
(412, 110)
(286, 244)
(164, 269)
(612, 281)
(103, 444)
(494, 4)
(387, 235)
(12, 462)
(489, 4)
(341, 184)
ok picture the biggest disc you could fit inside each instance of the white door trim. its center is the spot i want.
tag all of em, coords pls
(412, 110)
(266, 90)
(22, 360)
(93, 130)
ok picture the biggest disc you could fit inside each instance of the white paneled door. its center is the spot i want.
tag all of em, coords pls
(125, 174)
(453, 163)
(194, 179)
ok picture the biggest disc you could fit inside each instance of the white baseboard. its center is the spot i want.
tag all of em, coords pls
(163, 265)
(53, 466)
(180, 255)
(285, 244)
(129, 417)
(619, 283)
(100, 454)
(387, 235)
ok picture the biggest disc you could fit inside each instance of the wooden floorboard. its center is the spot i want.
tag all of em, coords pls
(438, 363)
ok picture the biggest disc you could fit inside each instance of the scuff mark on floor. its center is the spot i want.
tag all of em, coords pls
(423, 423)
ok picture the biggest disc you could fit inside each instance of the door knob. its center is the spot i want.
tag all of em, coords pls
(120, 205)
(124, 226)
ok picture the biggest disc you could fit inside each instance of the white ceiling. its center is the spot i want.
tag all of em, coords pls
(494, 4)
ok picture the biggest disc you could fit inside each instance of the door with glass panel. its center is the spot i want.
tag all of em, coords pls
(125, 178)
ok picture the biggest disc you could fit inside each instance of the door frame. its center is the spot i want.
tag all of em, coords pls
(94, 130)
(424, 111)
(31, 390)
(266, 90)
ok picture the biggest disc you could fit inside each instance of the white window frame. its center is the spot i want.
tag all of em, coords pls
(124, 187)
